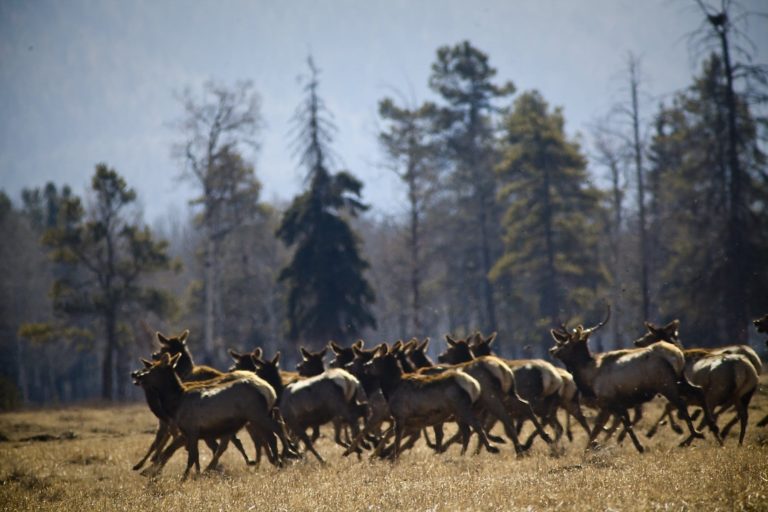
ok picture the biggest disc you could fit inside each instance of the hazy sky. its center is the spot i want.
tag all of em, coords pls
(84, 82)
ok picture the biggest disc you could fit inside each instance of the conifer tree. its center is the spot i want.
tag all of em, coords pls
(551, 220)
(112, 254)
(328, 295)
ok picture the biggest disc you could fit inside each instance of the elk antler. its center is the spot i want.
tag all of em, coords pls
(598, 326)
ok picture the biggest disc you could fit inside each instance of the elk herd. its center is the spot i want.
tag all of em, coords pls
(384, 399)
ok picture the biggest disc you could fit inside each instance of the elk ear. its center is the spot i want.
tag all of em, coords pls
(165, 359)
(162, 339)
(322, 352)
(359, 344)
(184, 336)
(335, 347)
(257, 353)
(397, 346)
(490, 339)
(258, 363)
(450, 340)
(276, 359)
(235, 354)
(357, 350)
(305, 353)
(424, 345)
(146, 363)
(674, 325)
(649, 326)
(381, 350)
(175, 360)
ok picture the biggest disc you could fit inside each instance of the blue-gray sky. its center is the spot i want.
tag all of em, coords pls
(83, 82)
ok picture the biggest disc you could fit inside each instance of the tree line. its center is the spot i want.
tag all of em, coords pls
(509, 225)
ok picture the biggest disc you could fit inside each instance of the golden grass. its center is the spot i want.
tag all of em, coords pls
(93, 472)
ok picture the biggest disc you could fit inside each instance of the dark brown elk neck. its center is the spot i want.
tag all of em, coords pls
(455, 355)
(579, 362)
(170, 392)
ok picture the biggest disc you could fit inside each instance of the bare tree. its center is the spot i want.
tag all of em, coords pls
(218, 127)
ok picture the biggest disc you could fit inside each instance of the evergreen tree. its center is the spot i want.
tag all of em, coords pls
(463, 77)
(328, 295)
(691, 163)
(112, 255)
(551, 220)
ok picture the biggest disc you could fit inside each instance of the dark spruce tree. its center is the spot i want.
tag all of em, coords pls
(328, 295)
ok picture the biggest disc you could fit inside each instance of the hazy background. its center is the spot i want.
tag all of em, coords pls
(83, 82)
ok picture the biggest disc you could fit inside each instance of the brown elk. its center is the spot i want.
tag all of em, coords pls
(188, 372)
(217, 410)
(728, 375)
(620, 379)
(419, 401)
(334, 395)
(537, 382)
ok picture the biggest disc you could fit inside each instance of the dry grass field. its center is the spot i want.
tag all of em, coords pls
(83, 462)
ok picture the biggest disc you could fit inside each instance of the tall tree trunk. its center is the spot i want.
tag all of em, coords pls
(208, 315)
(736, 314)
(638, 155)
(616, 256)
(549, 303)
(415, 259)
(107, 364)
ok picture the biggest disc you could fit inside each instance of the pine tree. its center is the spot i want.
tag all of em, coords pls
(551, 221)
(328, 295)
(112, 255)
(691, 162)
(463, 77)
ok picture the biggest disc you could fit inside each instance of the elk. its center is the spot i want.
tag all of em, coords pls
(497, 384)
(537, 382)
(218, 409)
(188, 372)
(728, 375)
(334, 395)
(418, 354)
(419, 401)
(620, 379)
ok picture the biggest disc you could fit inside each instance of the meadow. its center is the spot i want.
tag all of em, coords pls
(79, 458)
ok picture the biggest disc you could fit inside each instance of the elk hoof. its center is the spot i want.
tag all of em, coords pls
(492, 449)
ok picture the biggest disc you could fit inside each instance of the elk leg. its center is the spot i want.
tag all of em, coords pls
(239, 445)
(763, 422)
(465, 415)
(193, 457)
(602, 418)
(742, 409)
(628, 428)
(219, 451)
(309, 446)
(155, 449)
(666, 412)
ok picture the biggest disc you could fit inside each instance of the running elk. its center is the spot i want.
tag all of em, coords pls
(620, 379)
(728, 375)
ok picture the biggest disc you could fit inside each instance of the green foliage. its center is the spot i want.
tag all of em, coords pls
(551, 219)
(110, 256)
(692, 182)
(328, 295)
(463, 77)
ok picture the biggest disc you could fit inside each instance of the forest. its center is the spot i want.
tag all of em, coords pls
(511, 226)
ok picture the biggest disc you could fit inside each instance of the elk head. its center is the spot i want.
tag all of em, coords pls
(669, 333)
(573, 344)
(311, 363)
(456, 352)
